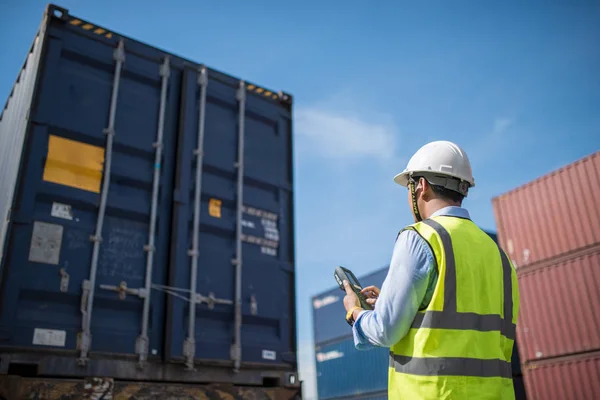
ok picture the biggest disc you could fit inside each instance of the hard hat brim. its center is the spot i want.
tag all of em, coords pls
(402, 178)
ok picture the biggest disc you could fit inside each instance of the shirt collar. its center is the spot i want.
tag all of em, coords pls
(452, 211)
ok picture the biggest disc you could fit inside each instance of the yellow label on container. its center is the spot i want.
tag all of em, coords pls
(73, 163)
(214, 208)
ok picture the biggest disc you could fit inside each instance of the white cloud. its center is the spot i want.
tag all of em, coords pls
(502, 124)
(345, 134)
(491, 145)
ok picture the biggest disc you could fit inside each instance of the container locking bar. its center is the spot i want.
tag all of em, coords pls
(88, 286)
(142, 340)
(189, 344)
(236, 349)
(211, 300)
(195, 298)
(123, 290)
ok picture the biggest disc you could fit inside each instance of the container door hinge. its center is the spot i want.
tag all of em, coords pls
(203, 77)
(240, 94)
(189, 352)
(64, 280)
(141, 349)
(119, 53)
(236, 352)
(165, 70)
(253, 305)
(84, 338)
(84, 343)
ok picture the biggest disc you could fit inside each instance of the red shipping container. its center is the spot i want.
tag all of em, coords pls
(573, 377)
(552, 215)
(560, 307)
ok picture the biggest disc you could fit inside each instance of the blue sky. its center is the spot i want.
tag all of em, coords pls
(517, 86)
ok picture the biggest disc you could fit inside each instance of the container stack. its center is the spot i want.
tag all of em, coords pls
(550, 228)
(346, 373)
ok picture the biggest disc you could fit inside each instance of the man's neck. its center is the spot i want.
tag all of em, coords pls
(435, 205)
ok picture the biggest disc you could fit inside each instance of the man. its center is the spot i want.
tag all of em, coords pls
(449, 304)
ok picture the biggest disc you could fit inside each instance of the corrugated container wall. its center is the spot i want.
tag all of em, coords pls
(560, 307)
(343, 371)
(553, 215)
(13, 127)
(574, 377)
(370, 396)
(146, 183)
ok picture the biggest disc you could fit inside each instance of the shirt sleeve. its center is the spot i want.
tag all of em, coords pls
(402, 293)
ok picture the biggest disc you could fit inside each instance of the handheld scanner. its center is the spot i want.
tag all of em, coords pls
(342, 274)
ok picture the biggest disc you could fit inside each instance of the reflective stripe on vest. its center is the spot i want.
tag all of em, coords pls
(445, 366)
(450, 318)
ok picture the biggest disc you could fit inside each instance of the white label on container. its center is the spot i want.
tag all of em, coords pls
(248, 224)
(510, 246)
(325, 301)
(269, 355)
(63, 211)
(330, 355)
(526, 254)
(46, 241)
(268, 251)
(49, 337)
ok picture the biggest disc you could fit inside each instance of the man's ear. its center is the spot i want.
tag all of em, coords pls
(427, 193)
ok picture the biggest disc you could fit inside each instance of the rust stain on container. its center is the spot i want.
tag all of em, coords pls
(560, 307)
(573, 377)
(556, 214)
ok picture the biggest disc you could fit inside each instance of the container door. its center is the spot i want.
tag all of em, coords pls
(94, 200)
(214, 257)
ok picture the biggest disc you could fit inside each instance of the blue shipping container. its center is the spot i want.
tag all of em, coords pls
(367, 396)
(146, 213)
(343, 371)
(328, 310)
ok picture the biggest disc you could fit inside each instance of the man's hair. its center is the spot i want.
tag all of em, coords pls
(447, 194)
(442, 192)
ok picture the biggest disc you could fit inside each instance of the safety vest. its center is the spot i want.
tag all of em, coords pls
(460, 346)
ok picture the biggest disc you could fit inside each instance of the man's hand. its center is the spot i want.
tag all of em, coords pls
(372, 294)
(351, 299)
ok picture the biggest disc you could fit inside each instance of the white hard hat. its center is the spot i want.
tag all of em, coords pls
(436, 161)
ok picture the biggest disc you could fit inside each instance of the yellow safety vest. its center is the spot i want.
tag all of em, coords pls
(460, 346)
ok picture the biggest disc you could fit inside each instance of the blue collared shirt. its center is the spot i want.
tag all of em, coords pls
(408, 287)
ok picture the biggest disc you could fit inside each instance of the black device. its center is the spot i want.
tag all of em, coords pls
(342, 274)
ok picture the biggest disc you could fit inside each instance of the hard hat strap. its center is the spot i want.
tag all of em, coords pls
(411, 185)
